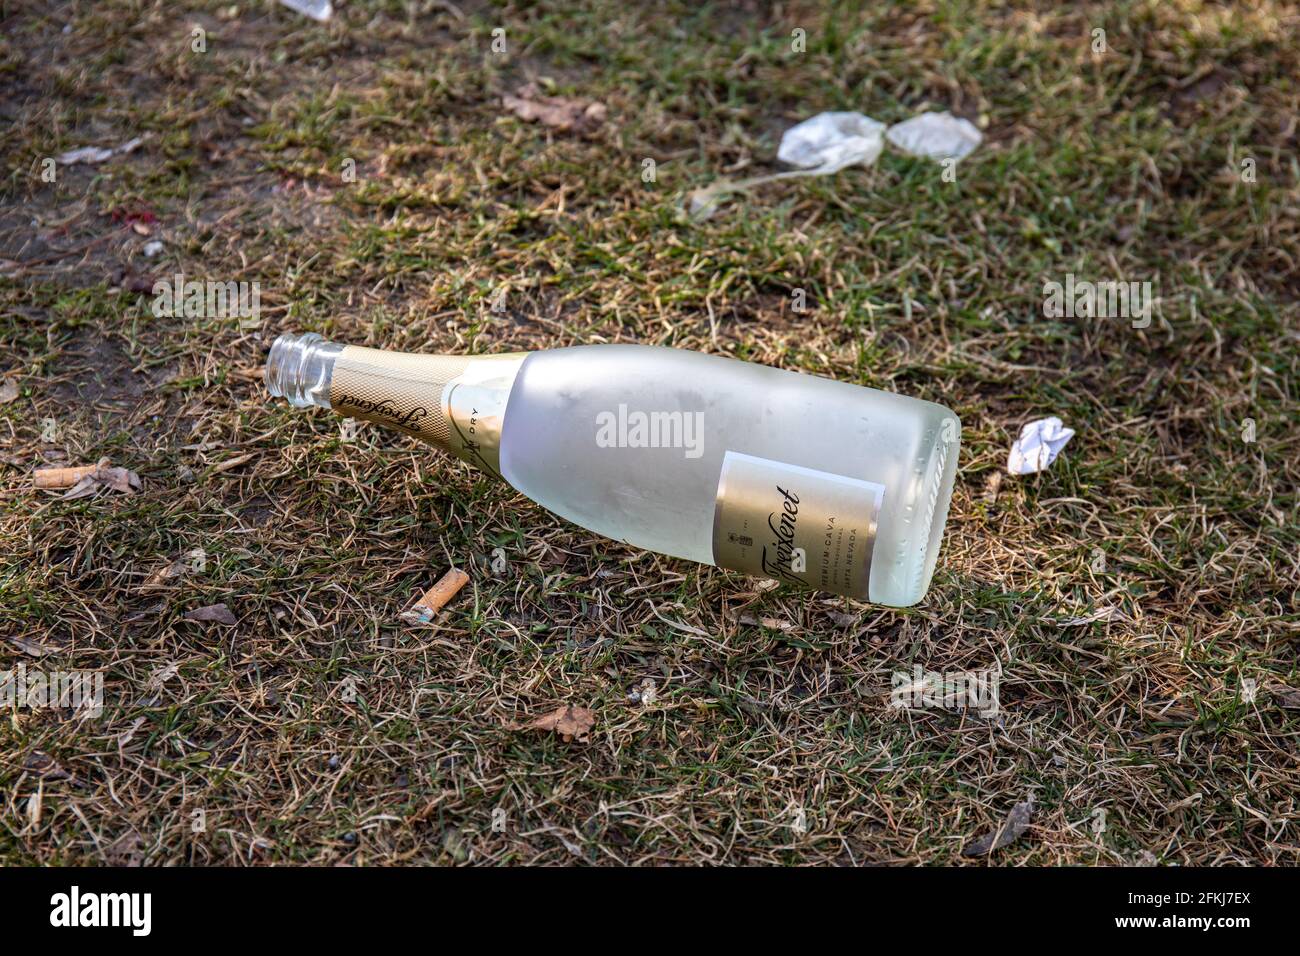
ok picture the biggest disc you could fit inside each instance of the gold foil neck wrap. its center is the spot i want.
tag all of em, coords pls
(397, 389)
(457, 402)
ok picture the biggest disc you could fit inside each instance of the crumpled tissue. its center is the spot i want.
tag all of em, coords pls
(318, 10)
(1038, 445)
(831, 141)
(936, 136)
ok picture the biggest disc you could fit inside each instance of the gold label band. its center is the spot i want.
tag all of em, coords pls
(396, 389)
(456, 402)
(797, 525)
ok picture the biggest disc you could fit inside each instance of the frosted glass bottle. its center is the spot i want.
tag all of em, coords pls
(803, 479)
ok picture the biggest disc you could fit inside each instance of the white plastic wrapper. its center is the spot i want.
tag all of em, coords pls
(320, 10)
(829, 142)
(1038, 445)
(97, 154)
(936, 136)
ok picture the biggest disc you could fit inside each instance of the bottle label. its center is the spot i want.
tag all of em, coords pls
(796, 524)
(475, 405)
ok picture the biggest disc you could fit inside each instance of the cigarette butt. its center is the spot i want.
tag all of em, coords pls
(65, 477)
(434, 599)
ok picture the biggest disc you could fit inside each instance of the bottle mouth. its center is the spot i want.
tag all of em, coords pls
(300, 367)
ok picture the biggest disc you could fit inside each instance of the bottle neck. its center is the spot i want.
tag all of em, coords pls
(455, 402)
(300, 368)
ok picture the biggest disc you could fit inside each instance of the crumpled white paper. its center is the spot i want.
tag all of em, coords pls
(1038, 445)
(320, 10)
(824, 144)
(831, 141)
(936, 136)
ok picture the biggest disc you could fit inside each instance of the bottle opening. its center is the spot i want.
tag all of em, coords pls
(300, 368)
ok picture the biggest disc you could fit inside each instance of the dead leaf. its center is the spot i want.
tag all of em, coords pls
(1016, 823)
(567, 721)
(164, 574)
(213, 612)
(163, 674)
(232, 463)
(1287, 698)
(119, 479)
(45, 766)
(31, 647)
(557, 112)
(86, 486)
(144, 613)
(105, 476)
(8, 391)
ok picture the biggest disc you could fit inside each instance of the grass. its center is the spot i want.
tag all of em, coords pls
(1135, 731)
